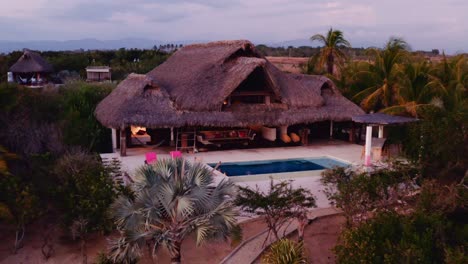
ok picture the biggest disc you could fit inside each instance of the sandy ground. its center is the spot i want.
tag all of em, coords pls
(320, 237)
(67, 251)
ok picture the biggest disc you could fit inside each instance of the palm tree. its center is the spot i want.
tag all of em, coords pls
(415, 93)
(173, 199)
(384, 76)
(450, 80)
(331, 52)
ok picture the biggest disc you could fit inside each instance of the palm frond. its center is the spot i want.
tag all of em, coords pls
(174, 198)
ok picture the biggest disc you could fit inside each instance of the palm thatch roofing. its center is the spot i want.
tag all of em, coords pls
(192, 86)
(382, 119)
(31, 62)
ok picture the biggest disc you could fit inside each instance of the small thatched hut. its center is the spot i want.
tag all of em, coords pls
(222, 84)
(30, 69)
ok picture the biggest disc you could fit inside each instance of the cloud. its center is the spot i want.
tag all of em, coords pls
(425, 24)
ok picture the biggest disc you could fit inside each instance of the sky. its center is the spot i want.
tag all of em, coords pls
(424, 24)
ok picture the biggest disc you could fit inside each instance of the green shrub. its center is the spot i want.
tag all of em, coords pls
(393, 238)
(85, 190)
(359, 192)
(285, 251)
(439, 143)
(277, 206)
(81, 128)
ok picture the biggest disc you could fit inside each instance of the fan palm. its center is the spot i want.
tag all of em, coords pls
(331, 52)
(173, 199)
(384, 76)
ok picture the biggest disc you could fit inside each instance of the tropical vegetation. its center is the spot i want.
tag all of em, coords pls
(331, 54)
(412, 212)
(285, 251)
(278, 206)
(172, 199)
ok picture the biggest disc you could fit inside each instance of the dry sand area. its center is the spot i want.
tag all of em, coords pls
(319, 238)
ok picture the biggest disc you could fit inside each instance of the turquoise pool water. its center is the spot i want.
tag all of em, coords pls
(277, 166)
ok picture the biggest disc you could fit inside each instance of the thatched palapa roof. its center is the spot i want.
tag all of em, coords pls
(31, 62)
(191, 87)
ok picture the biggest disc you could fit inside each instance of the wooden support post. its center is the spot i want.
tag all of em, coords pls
(331, 129)
(352, 133)
(123, 142)
(172, 137)
(368, 147)
(380, 131)
(114, 139)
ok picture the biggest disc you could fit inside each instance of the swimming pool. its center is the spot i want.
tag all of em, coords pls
(277, 166)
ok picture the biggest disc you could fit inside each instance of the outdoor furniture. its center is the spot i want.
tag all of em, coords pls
(269, 133)
(23, 81)
(151, 157)
(206, 142)
(219, 137)
(295, 137)
(176, 154)
(285, 138)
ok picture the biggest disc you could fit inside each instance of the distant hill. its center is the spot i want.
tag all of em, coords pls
(308, 43)
(142, 43)
(86, 44)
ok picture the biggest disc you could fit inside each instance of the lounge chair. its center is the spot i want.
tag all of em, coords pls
(23, 81)
(203, 141)
(151, 157)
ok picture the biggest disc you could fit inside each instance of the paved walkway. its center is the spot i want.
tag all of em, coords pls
(249, 250)
(334, 148)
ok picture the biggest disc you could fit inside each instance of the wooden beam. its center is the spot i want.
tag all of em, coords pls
(123, 142)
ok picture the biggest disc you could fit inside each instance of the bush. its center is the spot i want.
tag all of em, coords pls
(85, 190)
(392, 238)
(81, 128)
(280, 204)
(439, 143)
(358, 192)
(285, 251)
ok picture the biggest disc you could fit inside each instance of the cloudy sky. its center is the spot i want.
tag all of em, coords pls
(425, 24)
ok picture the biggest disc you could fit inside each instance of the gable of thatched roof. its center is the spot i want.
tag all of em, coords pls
(31, 62)
(199, 77)
(190, 87)
(134, 100)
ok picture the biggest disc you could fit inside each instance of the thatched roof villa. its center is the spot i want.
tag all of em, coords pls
(224, 84)
(30, 69)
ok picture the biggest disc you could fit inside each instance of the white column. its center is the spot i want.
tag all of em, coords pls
(368, 147)
(114, 140)
(331, 129)
(380, 131)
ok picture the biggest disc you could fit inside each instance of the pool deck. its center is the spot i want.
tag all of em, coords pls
(340, 150)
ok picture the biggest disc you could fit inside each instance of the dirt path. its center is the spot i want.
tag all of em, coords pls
(67, 251)
(320, 237)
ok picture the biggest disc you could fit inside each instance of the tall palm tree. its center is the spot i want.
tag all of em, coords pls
(331, 52)
(450, 79)
(173, 199)
(383, 76)
(415, 93)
